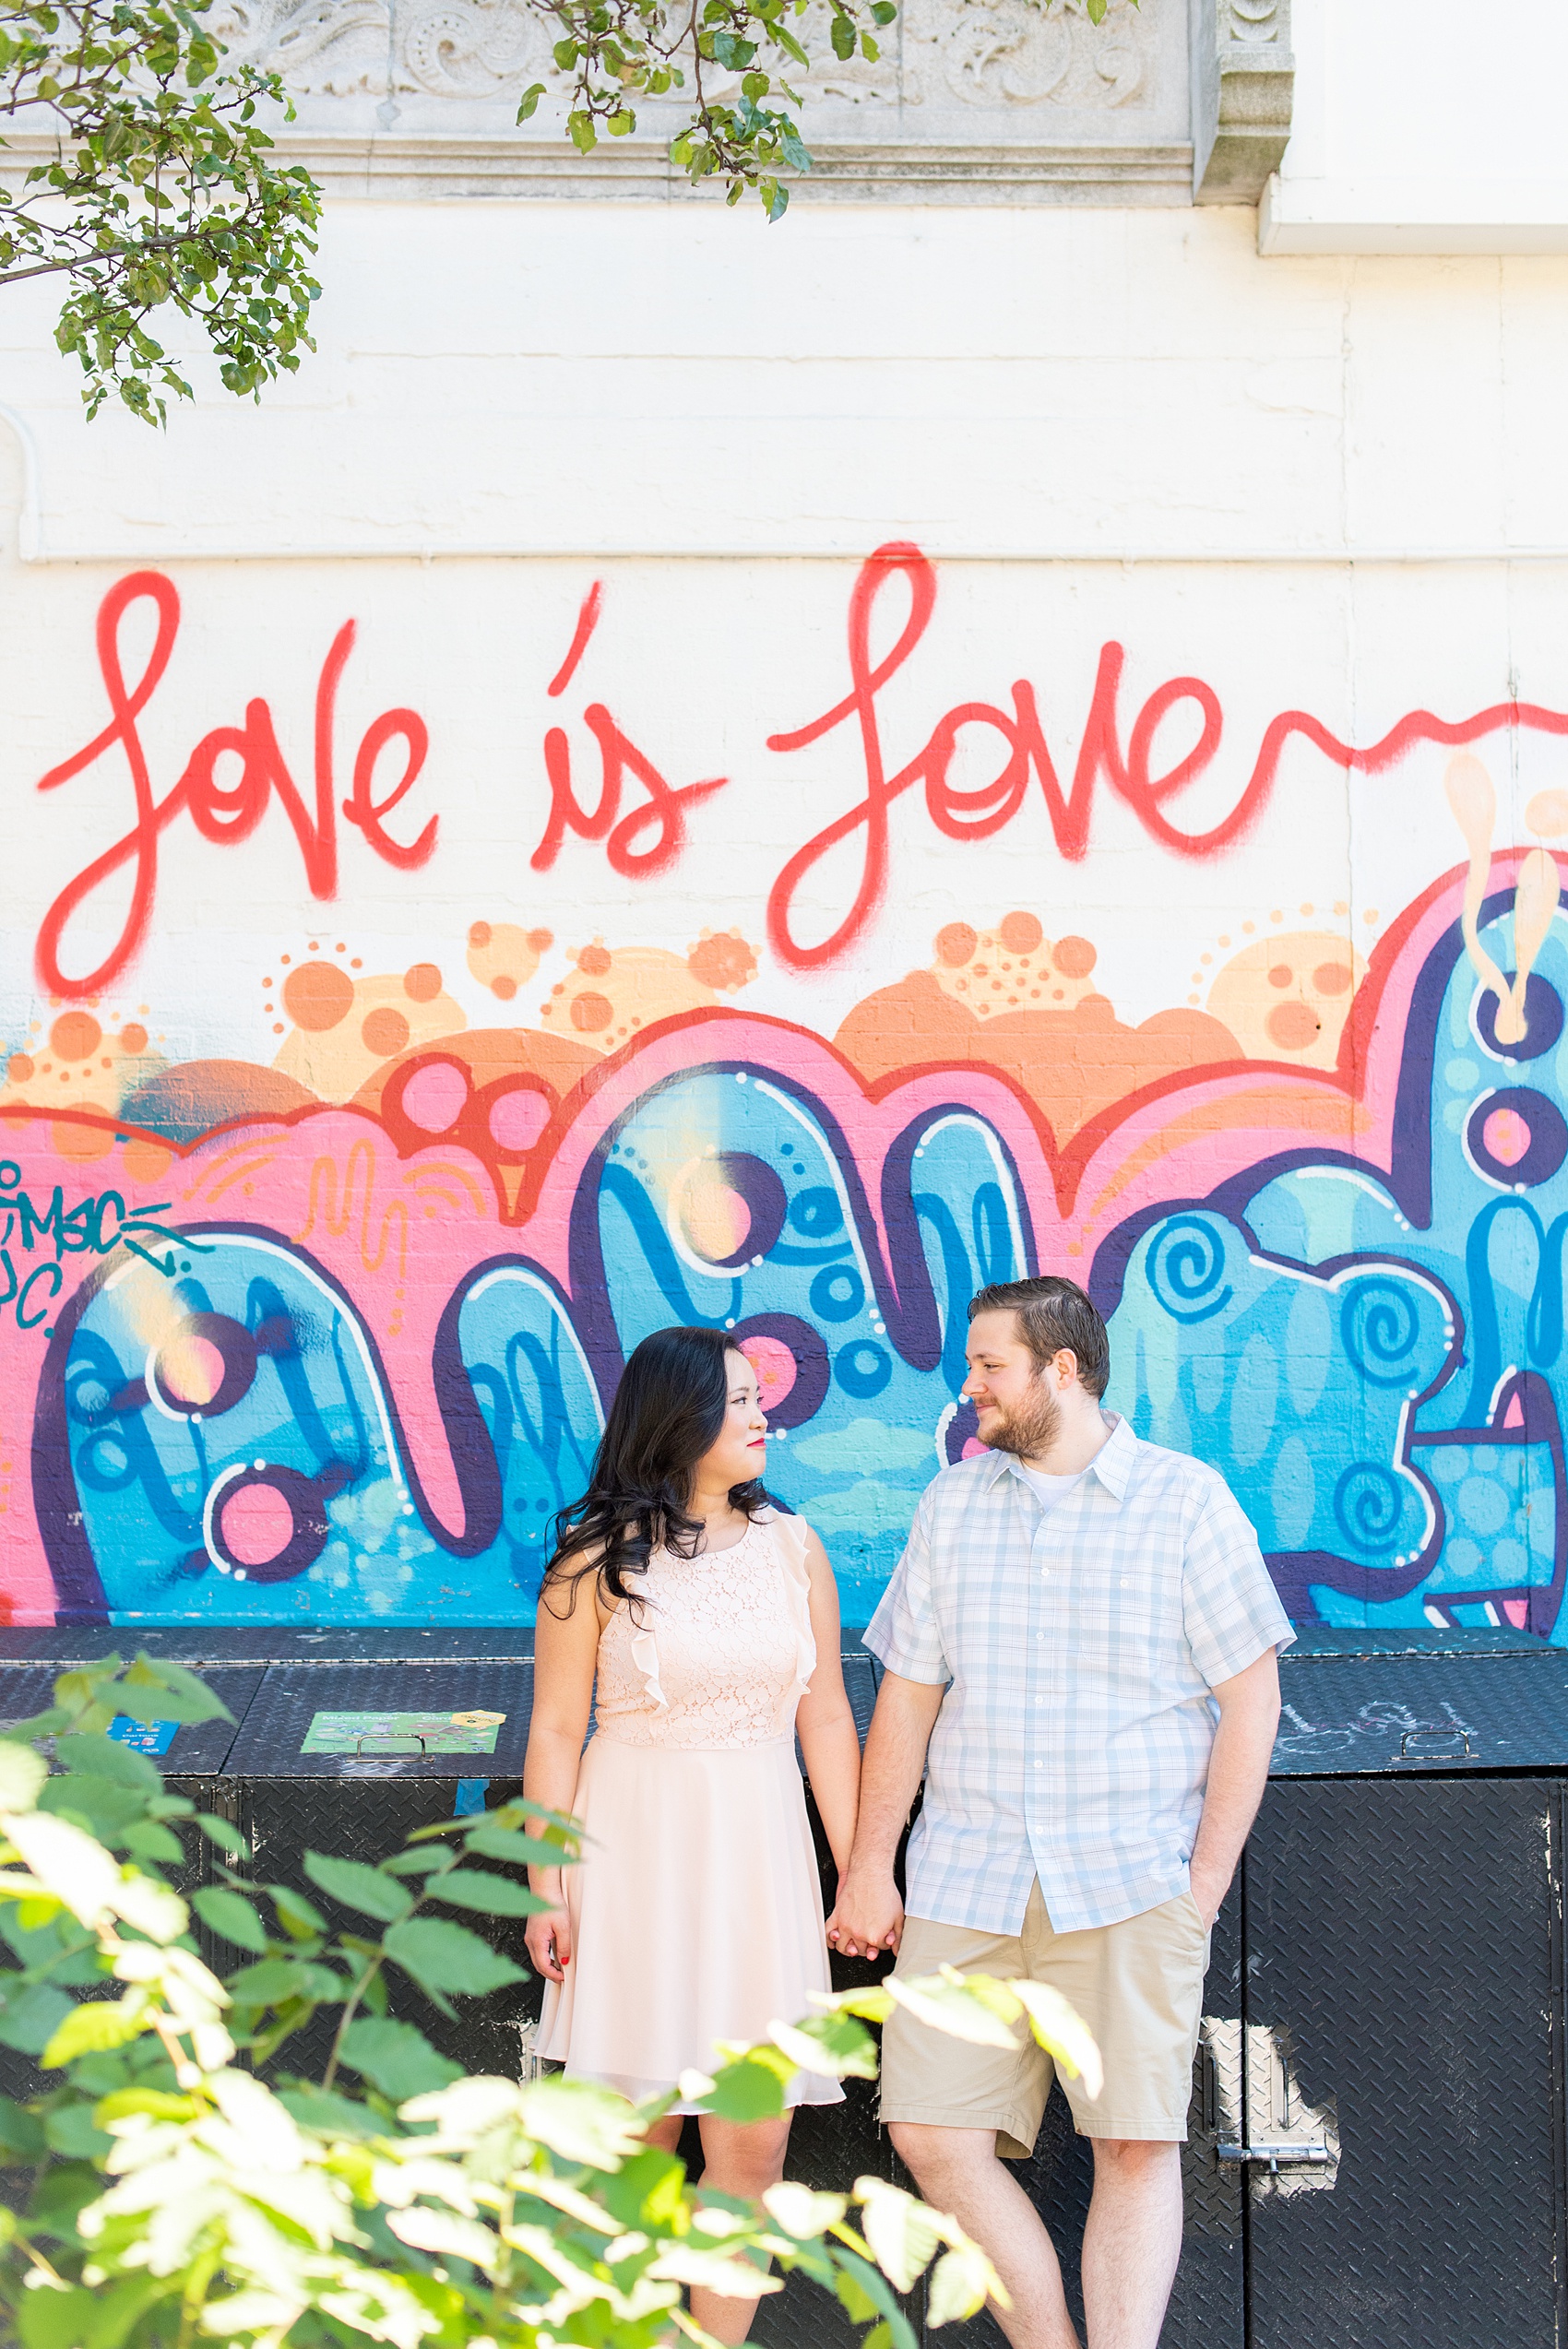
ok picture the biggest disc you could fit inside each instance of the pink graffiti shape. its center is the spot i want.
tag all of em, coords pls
(258, 1524)
(434, 1097)
(1507, 1136)
(775, 1368)
(516, 1120)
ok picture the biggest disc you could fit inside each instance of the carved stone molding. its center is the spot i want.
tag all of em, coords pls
(1244, 81)
(972, 100)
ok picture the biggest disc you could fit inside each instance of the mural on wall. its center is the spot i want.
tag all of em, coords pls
(330, 1339)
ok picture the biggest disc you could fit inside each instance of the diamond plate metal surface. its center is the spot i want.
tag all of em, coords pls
(1404, 1937)
(1479, 1711)
(278, 1720)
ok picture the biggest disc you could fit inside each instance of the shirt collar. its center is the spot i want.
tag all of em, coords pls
(1112, 1463)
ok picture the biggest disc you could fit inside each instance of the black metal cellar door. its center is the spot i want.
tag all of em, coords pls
(1403, 2004)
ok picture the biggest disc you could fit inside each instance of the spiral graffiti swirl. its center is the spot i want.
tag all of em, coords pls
(1380, 1329)
(1186, 1269)
(1369, 1503)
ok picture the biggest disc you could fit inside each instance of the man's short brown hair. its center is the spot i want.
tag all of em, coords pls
(1054, 1314)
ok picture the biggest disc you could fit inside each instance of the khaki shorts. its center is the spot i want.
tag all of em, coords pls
(1138, 1986)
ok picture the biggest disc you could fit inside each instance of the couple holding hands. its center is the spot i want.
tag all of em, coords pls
(1080, 1646)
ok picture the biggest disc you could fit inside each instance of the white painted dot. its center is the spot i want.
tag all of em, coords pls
(408, 1508)
(258, 1464)
(755, 1263)
(731, 1322)
(739, 1077)
(238, 1574)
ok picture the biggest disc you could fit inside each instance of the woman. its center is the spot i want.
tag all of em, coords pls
(711, 1622)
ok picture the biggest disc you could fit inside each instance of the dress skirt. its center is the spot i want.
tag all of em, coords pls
(696, 1913)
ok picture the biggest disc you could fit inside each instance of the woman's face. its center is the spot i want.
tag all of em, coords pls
(740, 1451)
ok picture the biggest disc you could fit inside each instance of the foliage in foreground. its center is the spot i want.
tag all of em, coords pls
(164, 188)
(175, 2196)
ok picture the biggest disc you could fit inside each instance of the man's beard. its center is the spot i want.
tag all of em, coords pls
(1030, 1430)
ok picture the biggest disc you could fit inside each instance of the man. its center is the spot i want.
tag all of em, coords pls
(1084, 1631)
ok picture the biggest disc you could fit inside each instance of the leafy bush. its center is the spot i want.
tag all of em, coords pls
(175, 2196)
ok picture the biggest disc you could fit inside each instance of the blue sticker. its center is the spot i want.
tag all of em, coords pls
(143, 1737)
(470, 1797)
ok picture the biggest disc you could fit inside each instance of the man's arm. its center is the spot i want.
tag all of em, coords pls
(870, 1915)
(1238, 1772)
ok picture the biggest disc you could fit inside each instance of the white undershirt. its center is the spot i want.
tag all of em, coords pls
(1052, 1489)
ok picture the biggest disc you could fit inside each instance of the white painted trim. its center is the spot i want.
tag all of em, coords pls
(1413, 216)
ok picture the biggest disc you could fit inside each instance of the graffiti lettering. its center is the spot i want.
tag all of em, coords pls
(975, 814)
(665, 814)
(225, 814)
(96, 1227)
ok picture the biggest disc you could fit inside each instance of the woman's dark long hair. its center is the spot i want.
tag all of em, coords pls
(668, 1411)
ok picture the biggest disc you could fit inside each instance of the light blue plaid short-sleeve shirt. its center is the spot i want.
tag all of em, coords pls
(1080, 1643)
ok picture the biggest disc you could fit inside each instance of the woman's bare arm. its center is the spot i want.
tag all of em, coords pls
(824, 1721)
(565, 1650)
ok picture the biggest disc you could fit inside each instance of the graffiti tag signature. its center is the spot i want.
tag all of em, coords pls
(95, 1227)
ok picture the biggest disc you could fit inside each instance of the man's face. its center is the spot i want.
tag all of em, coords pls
(1015, 1401)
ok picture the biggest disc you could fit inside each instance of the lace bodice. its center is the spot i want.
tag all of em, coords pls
(718, 1651)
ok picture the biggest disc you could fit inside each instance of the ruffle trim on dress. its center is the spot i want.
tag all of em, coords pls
(644, 1656)
(792, 1532)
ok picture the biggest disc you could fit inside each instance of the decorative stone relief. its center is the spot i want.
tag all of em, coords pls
(969, 99)
(1017, 52)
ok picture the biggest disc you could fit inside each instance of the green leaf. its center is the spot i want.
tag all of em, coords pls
(325, 2114)
(231, 1917)
(420, 1863)
(901, 2231)
(30, 2021)
(300, 1918)
(504, 1843)
(842, 35)
(103, 2318)
(22, 1773)
(848, 2049)
(396, 2058)
(751, 2088)
(960, 2282)
(360, 1887)
(71, 2130)
(648, 2190)
(93, 2028)
(491, 1895)
(98, 1756)
(856, 2300)
(158, 2103)
(529, 100)
(223, 1833)
(148, 1840)
(102, 1805)
(1097, 11)
(20, 2131)
(269, 1983)
(181, 1695)
(443, 1956)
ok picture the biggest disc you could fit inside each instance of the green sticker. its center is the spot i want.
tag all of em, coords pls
(379, 1732)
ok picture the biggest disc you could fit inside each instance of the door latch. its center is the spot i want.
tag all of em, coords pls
(1293, 2153)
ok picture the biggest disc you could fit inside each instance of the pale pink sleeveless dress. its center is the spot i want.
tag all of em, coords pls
(696, 1913)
